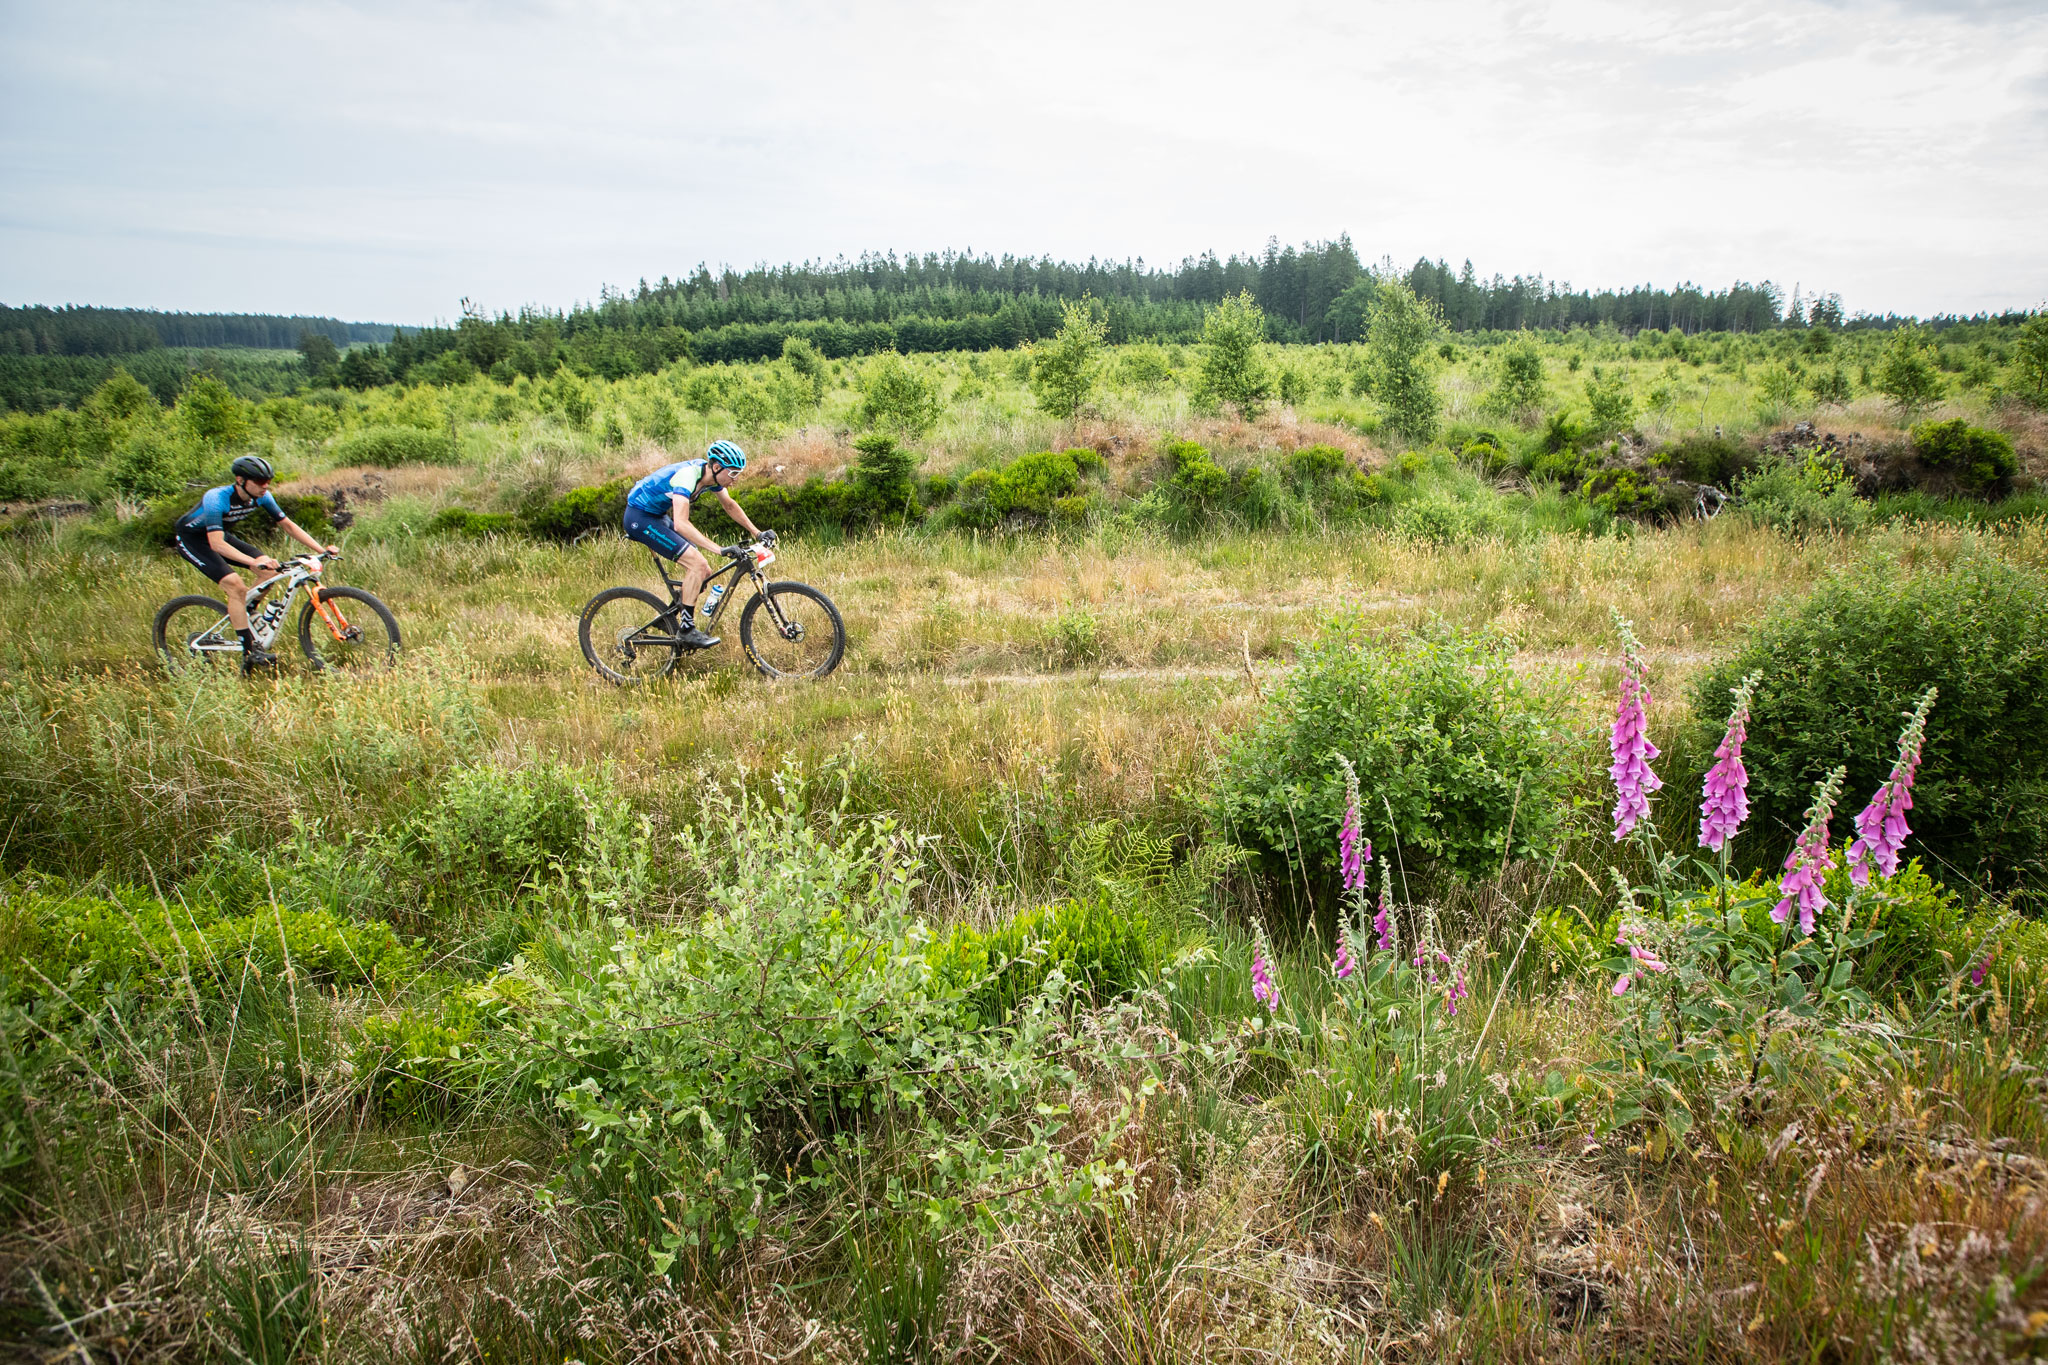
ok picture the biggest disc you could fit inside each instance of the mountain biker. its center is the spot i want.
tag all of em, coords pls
(205, 538)
(658, 516)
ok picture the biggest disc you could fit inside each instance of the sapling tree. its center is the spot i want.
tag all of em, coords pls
(1066, 368)
(1400, 333)
(1906, 374)
(1233, 368)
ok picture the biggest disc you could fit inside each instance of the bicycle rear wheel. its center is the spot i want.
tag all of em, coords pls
(188, 629)
(368, 638)
(626, 636)
(800, 637)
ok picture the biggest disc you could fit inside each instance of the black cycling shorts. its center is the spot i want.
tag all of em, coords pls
(193, 545)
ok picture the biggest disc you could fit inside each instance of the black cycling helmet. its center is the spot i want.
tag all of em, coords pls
(253, 467)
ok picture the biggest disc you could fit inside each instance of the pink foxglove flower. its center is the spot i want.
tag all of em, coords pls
(1649, 960)
(1630, 740)
(1383, 919)
(1456, 993)
(1623, 982)
(1808, 864)
(1264, 989)
(1354, 850)
(1344, 964)
(1881, 829)
(1725, 804)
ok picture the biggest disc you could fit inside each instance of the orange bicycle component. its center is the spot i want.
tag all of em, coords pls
(331, 614)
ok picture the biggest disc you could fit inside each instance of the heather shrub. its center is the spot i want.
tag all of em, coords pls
(1838, 669)
(594, 507)
(460, 521)
(1451, 745)
(1975, 457)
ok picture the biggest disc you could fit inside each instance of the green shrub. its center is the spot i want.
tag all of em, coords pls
(1442, 730)
(385, 447)
(88, 946)
(884, 480)
(1839, 669)
(502, 830)
(310, 510)
(593, 507)
(1025, 488)
(1812, 493)
(1103, 948)
(419, 1061)
(460, 521)
(1311, 467)
(1976, 457)
(1628, 493)
(1705, 459)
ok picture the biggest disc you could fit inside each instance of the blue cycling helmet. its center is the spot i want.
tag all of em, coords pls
(727, 454)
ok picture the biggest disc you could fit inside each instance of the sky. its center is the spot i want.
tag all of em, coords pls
(383, 162)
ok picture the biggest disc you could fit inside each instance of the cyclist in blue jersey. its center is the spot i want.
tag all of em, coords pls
(205, 537)
(658, 516)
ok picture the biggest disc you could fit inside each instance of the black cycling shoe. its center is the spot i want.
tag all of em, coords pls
(694, 638)
(259, 657)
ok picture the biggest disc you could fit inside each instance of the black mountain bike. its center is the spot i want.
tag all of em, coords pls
(194, 627)
(789, 630)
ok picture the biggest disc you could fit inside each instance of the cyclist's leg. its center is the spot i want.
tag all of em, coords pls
(654, 532)
(195, 549)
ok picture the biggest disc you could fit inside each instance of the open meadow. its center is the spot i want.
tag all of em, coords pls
(1197, 920)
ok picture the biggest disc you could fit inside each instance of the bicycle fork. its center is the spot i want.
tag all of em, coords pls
(330, 613)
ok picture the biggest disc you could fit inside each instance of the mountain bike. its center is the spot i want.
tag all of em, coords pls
(789, 630)
(189, 628)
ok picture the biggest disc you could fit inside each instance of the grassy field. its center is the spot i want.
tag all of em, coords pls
(294, 969)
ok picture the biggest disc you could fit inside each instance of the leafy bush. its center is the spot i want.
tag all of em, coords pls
(718, 1069)
(87, 946)
(1100, 945)
(1442, 730)
(1234, 368)
(310, 510)
(593, 507)
(460, 521)
(420, 1061)
(1839, 668)
(1025, 488)
(1976, 457)
(884, 481)
(389, 446)
(497, 829)
(1628, 493)
(899, 397)
(1811, 493)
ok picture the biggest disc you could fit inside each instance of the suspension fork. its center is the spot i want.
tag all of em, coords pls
(330, 613)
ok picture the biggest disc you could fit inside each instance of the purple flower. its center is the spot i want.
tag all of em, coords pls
(1344, 964)
(1808, 864)
(1726, 800)
(1650, 960)
(1456, 993)
(1622, 983)
(1881, 829)
(1983, 966)
(1264, 989)
(1354, 851)
(1383, 920)
(1630, 741)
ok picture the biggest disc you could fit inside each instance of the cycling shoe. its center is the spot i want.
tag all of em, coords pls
(253, 659)
(694, 638)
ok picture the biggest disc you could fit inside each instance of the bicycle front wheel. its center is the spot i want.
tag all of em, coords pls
(626, 638)
(800, 634)
(192, 628)
(355, 634)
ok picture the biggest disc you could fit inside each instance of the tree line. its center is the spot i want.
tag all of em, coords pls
(85, 331)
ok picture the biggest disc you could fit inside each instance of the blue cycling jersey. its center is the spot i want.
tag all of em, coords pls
(682, 479)
(219, 509)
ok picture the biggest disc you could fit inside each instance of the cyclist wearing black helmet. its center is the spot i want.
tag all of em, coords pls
(658, 516)
(206, 540)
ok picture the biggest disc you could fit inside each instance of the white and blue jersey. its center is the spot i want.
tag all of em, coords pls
(220, 510)
(684, 479)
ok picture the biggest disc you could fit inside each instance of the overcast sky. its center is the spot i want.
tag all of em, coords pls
(382, 161)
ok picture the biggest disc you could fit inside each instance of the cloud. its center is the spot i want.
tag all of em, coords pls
(384, 160)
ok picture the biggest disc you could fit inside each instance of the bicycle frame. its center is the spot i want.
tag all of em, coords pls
(297, 572)
(655, 631)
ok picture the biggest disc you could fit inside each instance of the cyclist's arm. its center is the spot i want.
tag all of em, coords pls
(217, 540)
(738, 513)
(679, 513)
(298, 533)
